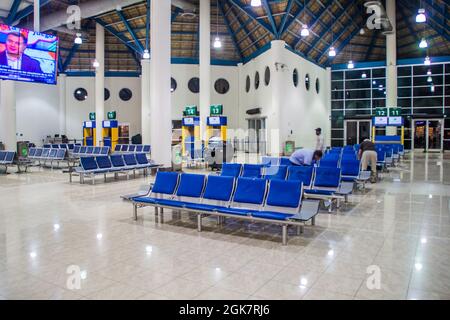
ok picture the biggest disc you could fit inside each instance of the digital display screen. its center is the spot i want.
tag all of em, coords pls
(28, 56)
(395, 121)
(380, 121)
(214, 121)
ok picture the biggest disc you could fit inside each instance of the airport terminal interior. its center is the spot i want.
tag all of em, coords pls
(224, 150)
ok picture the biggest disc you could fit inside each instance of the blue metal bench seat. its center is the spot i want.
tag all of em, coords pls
(273, 201)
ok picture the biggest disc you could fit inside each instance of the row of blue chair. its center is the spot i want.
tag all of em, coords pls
(68, 146)
(92, 166)
(82, 151)
(323, 183)
(276, 201)
(47, 154)
(7, 158)
(132, 148)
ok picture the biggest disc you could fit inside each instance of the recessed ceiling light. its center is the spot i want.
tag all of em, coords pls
(421, 17)
(305, 31)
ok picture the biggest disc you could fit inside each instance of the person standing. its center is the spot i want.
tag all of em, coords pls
(319, 140)
(368, 155)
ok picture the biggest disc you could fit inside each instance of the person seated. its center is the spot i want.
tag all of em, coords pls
(305, 157)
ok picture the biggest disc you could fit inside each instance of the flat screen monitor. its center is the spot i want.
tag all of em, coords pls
(28, 56)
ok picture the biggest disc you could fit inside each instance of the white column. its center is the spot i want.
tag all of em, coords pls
(8, 114)
(205, 63)
(160, 95)
(327, 91)
(145, 100)
(36, 15)
(62, 103)
(99, 80)
(391, 62)
(277, 116)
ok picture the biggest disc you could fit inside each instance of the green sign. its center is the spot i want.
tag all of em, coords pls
(216, 110)
(190, 111)
(381, 112)
(111, 115)
(395, 112)
(92, 116)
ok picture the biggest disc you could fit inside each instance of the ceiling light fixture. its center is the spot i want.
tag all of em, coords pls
(217, 43)
(427, 61)
(423, 43)
(429, 72)
(305, 31)
(96, 64)
(429, 79)
(332, 52)
(255, 3)
(421, 17)
(78, 39)
(364, 75)
(146, 54)
(350, 65)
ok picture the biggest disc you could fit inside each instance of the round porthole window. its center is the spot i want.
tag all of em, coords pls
(247, 84)
(267, 76)
(173, 85)
(80, 94)
(107, 94)
(317, 85)
(256, 80)
(194, 85)
(307, 82)
(222, 86)
(295, 77)
(125, 94)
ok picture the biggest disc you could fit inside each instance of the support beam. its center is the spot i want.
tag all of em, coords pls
(244, 25)
(27, 11)
(147, 26)
(175, 14)
(285, 18)
(99, 82)
(13, 11)
(266, 6)
(130, 30)
(232, 35)
(205, 66)
(120, 37)
(252, 15)
(296, 15)
(70, 56)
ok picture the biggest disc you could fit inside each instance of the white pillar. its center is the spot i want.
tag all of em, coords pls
(205, 63)
(277, 116)
(145, 100)
(62, 103)
(8, 114)
(99, 81)
(327, 91)
(160, 95)
(391, 63)
(36, 15)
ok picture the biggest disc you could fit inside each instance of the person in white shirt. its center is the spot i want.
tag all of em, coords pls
(319, 140)
(305, 157)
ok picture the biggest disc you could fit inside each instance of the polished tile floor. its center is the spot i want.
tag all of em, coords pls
(70, 241)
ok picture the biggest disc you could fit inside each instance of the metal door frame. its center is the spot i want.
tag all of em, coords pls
(357, 129)
(427, 121)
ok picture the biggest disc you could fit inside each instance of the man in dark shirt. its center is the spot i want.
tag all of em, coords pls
(368, 155)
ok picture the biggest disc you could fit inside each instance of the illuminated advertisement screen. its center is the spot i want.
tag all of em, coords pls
(28, 56)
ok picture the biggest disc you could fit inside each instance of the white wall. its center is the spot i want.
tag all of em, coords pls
(286, 107)
(37, 112)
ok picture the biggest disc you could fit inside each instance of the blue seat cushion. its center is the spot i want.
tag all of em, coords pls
(203, 207)
(284, 193)
(171, 203)
(165, 182)
(271, 215)
(320, 192)
(250, 190)
(236, 211)
(191, 185)
(146, 199)
(219, 188)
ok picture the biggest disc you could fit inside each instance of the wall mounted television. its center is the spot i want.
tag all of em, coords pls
(28, 56)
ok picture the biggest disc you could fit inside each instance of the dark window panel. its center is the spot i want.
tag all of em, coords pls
(357, 112)
(337, 85)
(424, 80)
(406, 110)
(446, 145)
(377, 82)
(378, 73)
(357, 84)
(337, 75)
(357, 94)
(447, 68)
(356, 74)
(357, 104)
(427, 102)
(404, 103)
(377, 93)
(404, 82)
(447, 90)
(404, 92)
(337, 143)
(447, 122)
(337, 104)
(428, 91)
(403, 71)
(428, 111)
(378, 103)
(422, 70)
(447, 134)
(339, 134)
(337, 95)
(408, 144)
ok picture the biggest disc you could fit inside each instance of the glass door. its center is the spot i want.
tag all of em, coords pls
(427, 134)
(357, 130)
